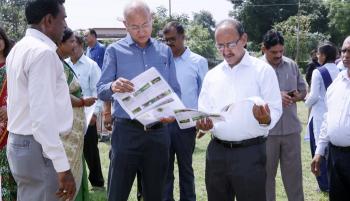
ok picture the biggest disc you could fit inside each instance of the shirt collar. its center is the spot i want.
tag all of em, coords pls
(279, 65)
(41, 36)
(344, 75)
(131, 41)
(82, 59)
(185, 54)
(96, 44)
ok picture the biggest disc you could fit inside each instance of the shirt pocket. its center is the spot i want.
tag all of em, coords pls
(291, 82)
(162, 67)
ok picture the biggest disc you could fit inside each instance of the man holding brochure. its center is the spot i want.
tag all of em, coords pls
(236, 155)
(136, 147)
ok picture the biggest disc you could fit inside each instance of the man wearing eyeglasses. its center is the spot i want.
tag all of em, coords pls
(335, 132)
(133, 146)
(236, 158)
(190, 70)
(283, 141)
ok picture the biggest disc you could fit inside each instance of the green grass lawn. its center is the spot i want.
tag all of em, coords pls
(309, 181)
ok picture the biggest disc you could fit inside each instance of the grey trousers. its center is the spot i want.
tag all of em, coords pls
(285, 149)
(34, 174)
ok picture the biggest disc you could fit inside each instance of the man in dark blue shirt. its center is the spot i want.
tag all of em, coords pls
(133, 146)
(95, 50)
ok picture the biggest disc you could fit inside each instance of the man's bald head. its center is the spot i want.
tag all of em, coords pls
(230, 24)
(136, 7)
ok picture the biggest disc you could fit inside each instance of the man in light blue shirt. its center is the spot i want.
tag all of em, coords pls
(88, 74)
(190, 71)
(133, 146)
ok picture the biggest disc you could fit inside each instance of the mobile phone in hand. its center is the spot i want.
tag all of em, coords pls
(291, 93)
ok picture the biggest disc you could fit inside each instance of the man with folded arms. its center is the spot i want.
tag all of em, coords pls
(236, 161)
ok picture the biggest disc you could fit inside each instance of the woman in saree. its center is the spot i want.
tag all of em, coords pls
(8, 184)
(74, 142)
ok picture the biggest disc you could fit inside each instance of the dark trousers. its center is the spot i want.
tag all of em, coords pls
(92, 157)
(134, 149)
(236, 173)
(339, 170)
(322, 180)
(182, 145)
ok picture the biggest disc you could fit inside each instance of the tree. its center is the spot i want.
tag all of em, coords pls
(198, 37)
(12, 18)
(160, 19)
(307, 39)
(258, 16)
(205, 18)
(339, 20)
(200, 42)
(318, 12)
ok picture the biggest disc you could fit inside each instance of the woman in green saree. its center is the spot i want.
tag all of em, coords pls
(8, 184)
(74, 142)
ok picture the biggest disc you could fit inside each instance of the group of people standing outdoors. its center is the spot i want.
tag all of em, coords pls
(47, 81)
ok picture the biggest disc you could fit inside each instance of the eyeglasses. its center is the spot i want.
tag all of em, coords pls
(143, 27)
(229, 45)
(170, 40)
(345, 50)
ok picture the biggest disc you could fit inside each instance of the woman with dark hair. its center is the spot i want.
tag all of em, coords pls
(8, 184)
(74, 142)
(320, 80)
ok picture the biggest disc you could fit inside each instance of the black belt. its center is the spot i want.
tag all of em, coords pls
(343, 149)
(137, 124)
(243, 143)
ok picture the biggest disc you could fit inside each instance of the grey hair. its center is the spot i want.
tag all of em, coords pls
(136, 5)
(232, 22)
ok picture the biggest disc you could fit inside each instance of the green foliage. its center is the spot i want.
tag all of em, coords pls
(258, 16)
(339, 20)
(318, 12)
(12, 18)
(307, 40)
(198, 36)
(205, 18)
(161, 18)
(200, 41)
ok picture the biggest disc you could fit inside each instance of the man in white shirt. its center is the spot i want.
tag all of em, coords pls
(236, 158)
(88, 74)
(39, 107)
(335, 132)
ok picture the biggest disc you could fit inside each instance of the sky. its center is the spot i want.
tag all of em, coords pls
(82, 14)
